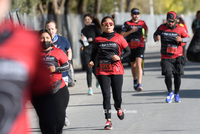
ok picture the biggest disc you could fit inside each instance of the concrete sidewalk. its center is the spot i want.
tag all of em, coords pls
(145, 112)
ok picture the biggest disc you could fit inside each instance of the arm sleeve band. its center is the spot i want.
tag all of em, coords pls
(127, 52)
(64, 67)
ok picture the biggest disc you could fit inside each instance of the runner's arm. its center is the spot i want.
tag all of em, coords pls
(126, 53)
(64, 67)
(187, 39)
(69, 53)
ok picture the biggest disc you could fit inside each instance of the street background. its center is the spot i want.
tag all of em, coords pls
(146, 112)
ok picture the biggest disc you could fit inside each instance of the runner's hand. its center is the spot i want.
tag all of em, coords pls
(91, 64)
(145, 39)
(157, 38)
(134, 29)
(82, 37)
(178, 39)
(51, 69)
(115, 58)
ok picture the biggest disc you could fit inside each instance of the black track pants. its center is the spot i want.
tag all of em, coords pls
(115, 81)
(51, 111)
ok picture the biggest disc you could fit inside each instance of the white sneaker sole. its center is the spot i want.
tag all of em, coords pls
(170, 101)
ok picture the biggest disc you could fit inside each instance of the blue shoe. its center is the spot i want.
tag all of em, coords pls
(97, 84)
(135, 85)
(177, 99)
(139, 88)
(90, 92)
(170, 97)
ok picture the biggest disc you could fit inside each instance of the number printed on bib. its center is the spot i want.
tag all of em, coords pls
(172, 50)
(105, 65)
(135, 43)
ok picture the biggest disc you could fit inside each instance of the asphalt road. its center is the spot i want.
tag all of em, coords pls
(145, 112)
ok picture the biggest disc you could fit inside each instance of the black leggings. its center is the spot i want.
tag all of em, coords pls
(51, 111)
(177, 82)
(89, 71)
(115, 81)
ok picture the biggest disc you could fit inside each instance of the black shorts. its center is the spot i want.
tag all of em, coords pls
(174, 66)
(137, 52)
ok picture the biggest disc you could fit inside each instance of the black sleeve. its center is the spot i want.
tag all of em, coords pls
(157, 32)
(193, 52)
(94, 51)
(64, 67)
(126, 53)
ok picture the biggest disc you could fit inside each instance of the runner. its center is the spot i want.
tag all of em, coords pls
(60, 42)
(182, 23)
(133, 31)
(90, 31)
(110, 70)
(22, 73)
(193, 51)
(196, 22)
(51, 108)
(172, 37)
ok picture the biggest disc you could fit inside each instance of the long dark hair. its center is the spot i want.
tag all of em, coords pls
(45, 31)
(95, 20)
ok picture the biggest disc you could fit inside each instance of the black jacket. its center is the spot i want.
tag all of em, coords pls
(193, 52)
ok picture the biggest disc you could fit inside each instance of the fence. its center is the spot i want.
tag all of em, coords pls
(73, 23)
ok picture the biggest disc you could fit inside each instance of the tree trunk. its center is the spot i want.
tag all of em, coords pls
(122, 3)
(57, 9)
(97, 6)
(82, 4)
(128, 4)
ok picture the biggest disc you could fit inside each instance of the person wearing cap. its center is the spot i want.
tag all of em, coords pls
(133, 31)
(172, 37)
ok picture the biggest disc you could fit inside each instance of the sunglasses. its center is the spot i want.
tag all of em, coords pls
(171, 21)
(108, 23)
(135, 13)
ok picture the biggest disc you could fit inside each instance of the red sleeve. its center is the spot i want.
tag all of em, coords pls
(124, 43)
(184, 33)
(145, 27)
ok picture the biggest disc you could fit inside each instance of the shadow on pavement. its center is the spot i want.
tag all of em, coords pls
(83, 128)
(190, 93)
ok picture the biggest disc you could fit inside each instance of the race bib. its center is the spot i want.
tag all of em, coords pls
(172, 50)
(105, 65)
(134, 43)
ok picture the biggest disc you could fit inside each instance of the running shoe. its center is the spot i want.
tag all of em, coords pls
(120, 114)
(170, 97)
(177, 99)
(90, 92)
(67, 122)
(135, 84)
(97, 84)
(139, 88)
(108, 125)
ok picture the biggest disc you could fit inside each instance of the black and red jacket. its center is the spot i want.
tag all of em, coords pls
(138, 35)
(22, 74)
(170, 48)
(55, 57)
(106, 45)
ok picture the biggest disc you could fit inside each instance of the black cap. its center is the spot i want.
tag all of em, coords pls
(135, 11)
